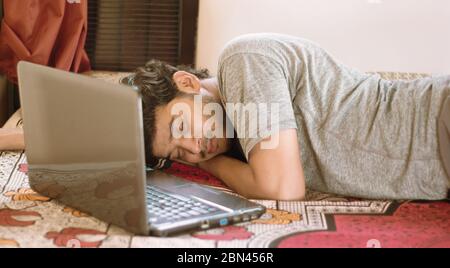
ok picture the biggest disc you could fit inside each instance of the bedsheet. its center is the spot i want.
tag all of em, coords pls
(28, 219)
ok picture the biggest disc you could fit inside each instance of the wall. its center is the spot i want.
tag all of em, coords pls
(371, 35)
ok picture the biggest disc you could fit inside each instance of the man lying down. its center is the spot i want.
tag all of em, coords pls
(282, 113)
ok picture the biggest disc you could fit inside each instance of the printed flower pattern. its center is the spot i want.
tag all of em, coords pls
(18, 218)
(24, 194)
(8, 243)
(70, 237)
(278, 217)
(23, 168)
(74, 212)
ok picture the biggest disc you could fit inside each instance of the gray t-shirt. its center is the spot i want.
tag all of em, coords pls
(358, 134)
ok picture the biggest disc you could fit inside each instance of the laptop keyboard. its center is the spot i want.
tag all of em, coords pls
(166, 207)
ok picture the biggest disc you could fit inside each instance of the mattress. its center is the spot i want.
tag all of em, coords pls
(28, 219)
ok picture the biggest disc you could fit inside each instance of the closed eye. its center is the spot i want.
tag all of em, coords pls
(181, 127)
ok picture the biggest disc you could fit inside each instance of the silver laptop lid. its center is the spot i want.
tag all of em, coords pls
(84, 144)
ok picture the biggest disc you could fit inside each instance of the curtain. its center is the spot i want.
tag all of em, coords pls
(3, 95)
(47, 32)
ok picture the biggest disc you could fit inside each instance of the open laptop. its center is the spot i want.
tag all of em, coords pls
(85, 147)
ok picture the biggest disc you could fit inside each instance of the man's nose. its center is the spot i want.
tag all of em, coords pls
(193, 145)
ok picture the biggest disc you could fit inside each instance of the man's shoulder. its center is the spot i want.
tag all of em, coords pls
(270, 45)
(250, 43)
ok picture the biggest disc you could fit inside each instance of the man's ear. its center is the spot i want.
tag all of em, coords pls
(187, 82)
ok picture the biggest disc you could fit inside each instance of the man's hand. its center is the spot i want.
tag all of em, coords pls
(11, 139)
(270, 174)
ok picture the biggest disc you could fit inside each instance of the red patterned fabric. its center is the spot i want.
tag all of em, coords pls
(194, 174)
(410, 224)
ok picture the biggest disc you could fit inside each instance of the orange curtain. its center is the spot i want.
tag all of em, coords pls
(47, 32)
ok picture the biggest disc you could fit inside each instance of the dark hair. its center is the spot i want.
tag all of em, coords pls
(154, 81)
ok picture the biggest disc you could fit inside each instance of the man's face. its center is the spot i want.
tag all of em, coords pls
(190, 148)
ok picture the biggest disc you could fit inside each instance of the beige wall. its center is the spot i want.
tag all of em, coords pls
(371, 35)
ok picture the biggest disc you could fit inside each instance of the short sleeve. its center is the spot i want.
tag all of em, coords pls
(250, 81)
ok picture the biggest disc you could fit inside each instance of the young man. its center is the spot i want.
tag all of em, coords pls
(335, 129)
(338, 130)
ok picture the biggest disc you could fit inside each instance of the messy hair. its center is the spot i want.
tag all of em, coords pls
(155, 82)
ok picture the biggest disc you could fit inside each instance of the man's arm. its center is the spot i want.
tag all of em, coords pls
(11, 139)
(270, 174)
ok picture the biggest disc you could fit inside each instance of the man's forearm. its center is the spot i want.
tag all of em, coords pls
(11, 139)
(236, 174)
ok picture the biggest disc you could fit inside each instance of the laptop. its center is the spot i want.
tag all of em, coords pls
(85, 148)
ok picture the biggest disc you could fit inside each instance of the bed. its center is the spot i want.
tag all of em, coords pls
(28, 219)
